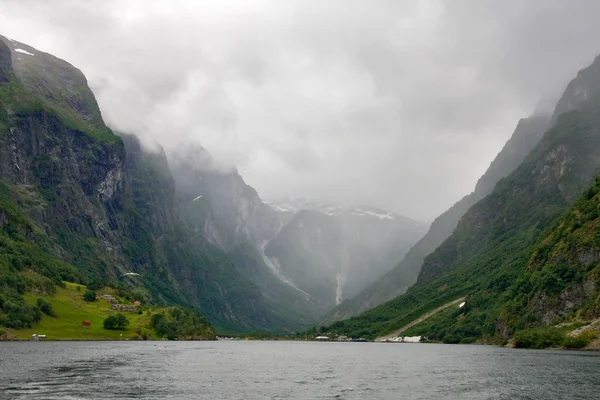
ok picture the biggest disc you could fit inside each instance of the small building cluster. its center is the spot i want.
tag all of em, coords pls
(120, 307)
(108, 298)
(402, 339)
(127, 308)
(124, 307)
(340, 339)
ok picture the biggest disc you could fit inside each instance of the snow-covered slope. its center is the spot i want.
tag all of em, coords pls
(292, 205)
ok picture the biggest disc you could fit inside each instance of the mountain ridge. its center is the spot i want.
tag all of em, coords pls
(488, 256)
(525, 136)
(96, 207)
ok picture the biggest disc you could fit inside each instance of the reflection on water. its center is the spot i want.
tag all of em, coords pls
(291, 370)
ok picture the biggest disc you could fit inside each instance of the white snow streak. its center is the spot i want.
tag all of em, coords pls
(24, 52)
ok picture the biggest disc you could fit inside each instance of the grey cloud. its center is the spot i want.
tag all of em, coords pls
(396, 104)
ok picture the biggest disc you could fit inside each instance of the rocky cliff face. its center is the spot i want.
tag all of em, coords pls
(304, 261)
(75, 175)
(222, 208)
(580, 89)
(101, 203)
(562, 274)
(234, 211)
(525, 137)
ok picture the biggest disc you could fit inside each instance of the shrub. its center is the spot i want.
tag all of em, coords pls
(18, 315)
(539, 338)
(179, 322)
(577, 342)
(580, 341)
(89, 295)
(115, 322)
(45, 307)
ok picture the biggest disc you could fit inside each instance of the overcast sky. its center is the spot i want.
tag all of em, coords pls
(395, 104)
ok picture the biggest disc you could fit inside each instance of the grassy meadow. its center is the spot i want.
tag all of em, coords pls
(71, 310)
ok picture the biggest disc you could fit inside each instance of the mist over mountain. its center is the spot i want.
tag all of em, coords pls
(525, 137)
(523, 258)
(397, 106)
(325, 246)
(310, 255)
(264, 169)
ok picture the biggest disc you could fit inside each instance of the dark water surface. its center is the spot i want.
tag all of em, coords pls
(291, 370)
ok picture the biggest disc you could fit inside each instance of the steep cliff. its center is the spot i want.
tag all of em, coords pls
(563, 273)
(219, 206)
(234, 211)
(89, 206)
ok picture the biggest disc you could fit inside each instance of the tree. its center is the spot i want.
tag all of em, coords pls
(45, 307)
(18, 315)
(118, 321)
(89, 296)
(122, 321)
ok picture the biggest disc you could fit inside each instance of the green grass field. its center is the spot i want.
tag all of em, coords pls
(71, 310)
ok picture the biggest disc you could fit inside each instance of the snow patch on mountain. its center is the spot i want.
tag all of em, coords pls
(293, 205)
(24, 52)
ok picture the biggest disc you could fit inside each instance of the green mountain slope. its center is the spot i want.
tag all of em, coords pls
(559, 282)
(490, 248)
(562, 278)
(220, 207)
(525, 137)
(69, 309)
(176, 263)
(82, 204)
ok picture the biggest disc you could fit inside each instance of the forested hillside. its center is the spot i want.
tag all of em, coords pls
(526, 136)
(81, 204)
(487, 257)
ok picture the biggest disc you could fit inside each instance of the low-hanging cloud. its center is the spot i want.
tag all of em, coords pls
(396, 104)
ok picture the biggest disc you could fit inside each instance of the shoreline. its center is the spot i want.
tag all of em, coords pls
(594, 348)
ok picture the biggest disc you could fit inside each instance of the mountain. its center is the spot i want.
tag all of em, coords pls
(231, 211)
(562, 273)
(219, 206)
(332, 252)
(82, 204)
(305, 256)
(526, 135)
(488, 257)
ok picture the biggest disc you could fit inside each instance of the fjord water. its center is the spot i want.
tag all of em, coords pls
(291, 370)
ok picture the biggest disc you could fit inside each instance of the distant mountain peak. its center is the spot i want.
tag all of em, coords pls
(293, 205)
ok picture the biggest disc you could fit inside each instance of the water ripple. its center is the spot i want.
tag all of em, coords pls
(291, 370)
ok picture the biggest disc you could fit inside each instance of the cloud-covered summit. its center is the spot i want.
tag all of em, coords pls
(398, 105)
